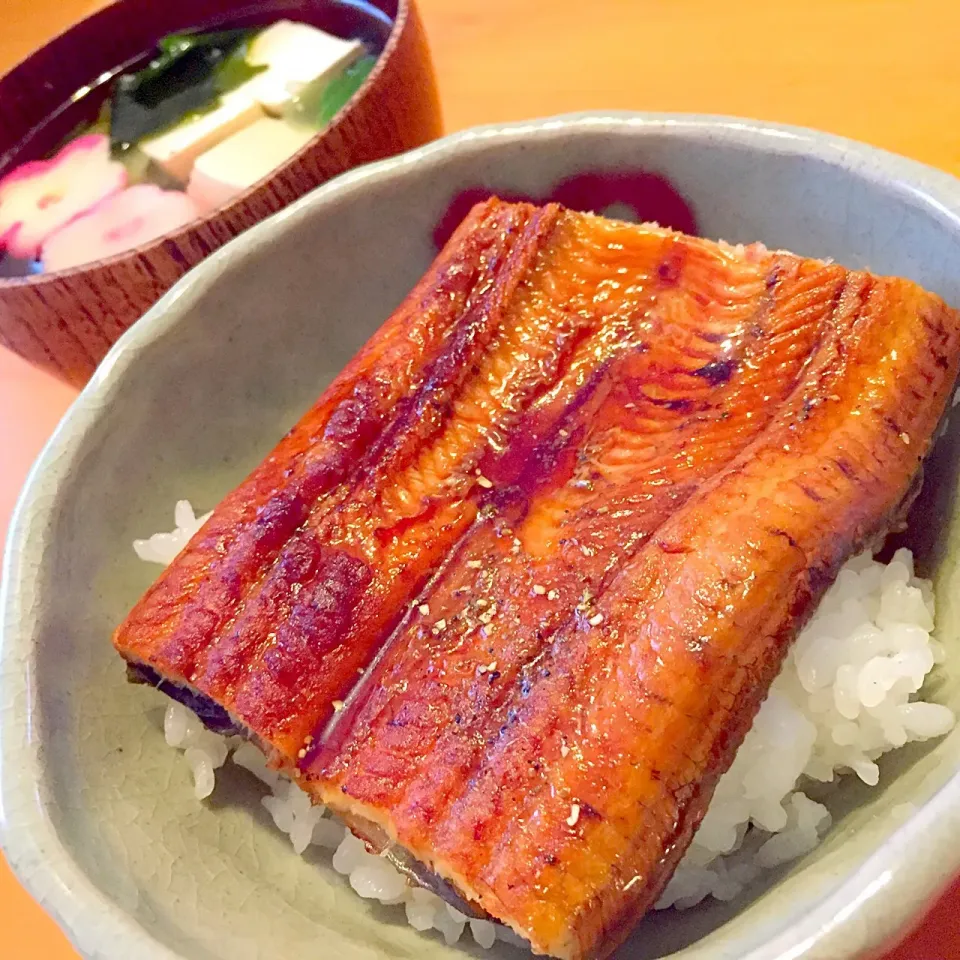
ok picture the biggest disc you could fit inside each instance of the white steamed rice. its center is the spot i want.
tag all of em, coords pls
(849, 692)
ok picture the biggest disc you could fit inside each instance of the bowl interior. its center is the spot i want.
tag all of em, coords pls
(202, 390)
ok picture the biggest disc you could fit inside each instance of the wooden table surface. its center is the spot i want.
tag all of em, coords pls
(883, 71)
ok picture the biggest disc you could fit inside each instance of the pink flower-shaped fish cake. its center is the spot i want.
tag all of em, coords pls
(121, 222)
(40, 197)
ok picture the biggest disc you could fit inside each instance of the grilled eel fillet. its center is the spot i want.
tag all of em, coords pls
(511, 593)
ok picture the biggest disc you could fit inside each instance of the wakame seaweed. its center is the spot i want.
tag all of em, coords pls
(189, 75)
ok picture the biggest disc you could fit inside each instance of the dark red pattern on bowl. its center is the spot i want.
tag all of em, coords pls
(650, 197)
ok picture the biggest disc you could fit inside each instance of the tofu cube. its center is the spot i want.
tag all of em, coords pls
(176, 150)
(296, 54)
(240, 161)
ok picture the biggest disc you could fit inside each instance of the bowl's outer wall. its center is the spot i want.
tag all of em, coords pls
(99, 817)
(66, 322)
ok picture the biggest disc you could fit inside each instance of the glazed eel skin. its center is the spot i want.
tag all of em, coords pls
(510, 594)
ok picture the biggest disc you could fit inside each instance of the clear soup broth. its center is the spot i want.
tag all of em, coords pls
(181, 130)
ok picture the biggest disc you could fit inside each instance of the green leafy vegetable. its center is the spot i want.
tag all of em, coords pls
(317, 104)
(343, 87)
(189, 75)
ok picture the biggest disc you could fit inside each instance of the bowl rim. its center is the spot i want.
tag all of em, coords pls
(99, 927)
(35, 280)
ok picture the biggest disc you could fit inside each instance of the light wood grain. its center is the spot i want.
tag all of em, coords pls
(884, 71)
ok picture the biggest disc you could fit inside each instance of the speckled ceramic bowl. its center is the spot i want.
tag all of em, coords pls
(99, 818)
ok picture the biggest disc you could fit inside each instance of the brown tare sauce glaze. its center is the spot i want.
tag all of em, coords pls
(615, 469)
(650, 198)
